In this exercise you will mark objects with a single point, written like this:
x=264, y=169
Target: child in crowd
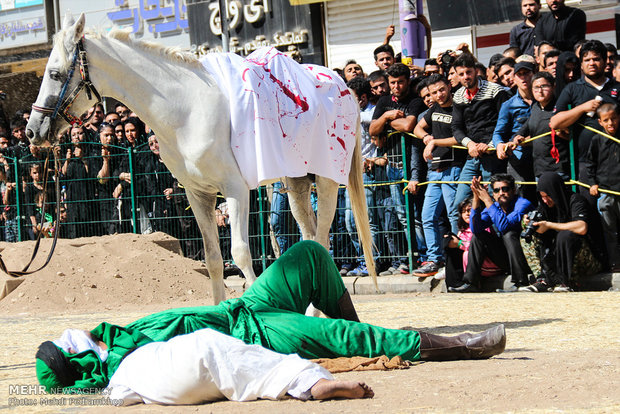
x=603, y=167
x=457, y=248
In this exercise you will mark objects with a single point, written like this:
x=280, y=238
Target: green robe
x=271, y=313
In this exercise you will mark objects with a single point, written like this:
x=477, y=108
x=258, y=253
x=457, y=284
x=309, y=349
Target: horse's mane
x=173, y=54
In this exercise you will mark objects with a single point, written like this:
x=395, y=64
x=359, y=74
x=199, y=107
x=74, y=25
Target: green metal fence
x=95, y=203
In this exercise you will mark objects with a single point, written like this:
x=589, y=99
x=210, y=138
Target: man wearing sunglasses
x=504, y=212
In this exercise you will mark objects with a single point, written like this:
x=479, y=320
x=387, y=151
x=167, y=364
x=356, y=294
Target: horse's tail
x=359, y=206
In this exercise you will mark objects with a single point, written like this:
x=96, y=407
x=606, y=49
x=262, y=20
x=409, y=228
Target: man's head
x=439, y=88
x=424, y=93
x=430, y=67
x=122, y=110
x=542, y=87
x=593, y=57
x=608, y=118
x=541, y=50
x=361, y=89
x=550, y=61
x=616, y=70
x=465, y=66
x=95, y=113
x=384, y=56
x=378, y=83
x=18, y=129
x=491, y=75
x=512, y=52
x=352, y=70
x=523, y=72
x=398, y=79
x=505, y=72
x=111, y=117
x=530, y=9
x=4, y=141
x=555, y=5
x=612, y=52
x=504, y=190
x=453, y=78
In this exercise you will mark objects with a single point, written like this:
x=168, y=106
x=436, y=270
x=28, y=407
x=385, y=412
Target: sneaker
x=391, y=271
x=513, y=288
x=359, y=271
x=403, y=269
x=441, y=275
x=561, y=289
x=539, y=286
x=427, y=269
x=344, y=271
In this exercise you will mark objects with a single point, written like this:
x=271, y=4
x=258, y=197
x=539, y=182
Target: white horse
x=172, y=92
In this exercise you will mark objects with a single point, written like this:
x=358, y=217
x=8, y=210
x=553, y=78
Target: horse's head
x=48, y=112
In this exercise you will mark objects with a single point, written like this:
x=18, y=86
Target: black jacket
x=563, y=32
x=603, y=163
x=475, y=120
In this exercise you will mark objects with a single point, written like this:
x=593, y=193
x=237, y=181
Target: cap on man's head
x=524, y=65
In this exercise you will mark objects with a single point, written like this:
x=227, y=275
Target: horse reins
x=62, y=107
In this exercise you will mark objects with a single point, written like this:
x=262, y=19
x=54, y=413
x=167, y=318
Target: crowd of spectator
x=487, y=152
x=483, y=152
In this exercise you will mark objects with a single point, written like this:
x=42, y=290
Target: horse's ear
x=75, y=32
x=67, y=21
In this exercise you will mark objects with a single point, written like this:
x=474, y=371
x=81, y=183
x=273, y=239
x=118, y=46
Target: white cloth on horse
x=287, y=119
x=207, y=365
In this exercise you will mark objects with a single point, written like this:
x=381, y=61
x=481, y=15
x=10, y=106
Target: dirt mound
x=107, y=272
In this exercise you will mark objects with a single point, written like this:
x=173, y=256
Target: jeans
x=10, y=230
x=484, y=166
x=282, y=222
x=341, y=245
x=439, y=197
x=373, y=218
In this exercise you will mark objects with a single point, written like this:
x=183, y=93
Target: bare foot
x=325, y=389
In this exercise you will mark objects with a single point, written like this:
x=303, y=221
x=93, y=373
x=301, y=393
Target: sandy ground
x=563, y=350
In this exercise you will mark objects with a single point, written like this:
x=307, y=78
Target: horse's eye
x=55, y=75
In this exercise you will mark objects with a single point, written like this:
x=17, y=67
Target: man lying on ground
x=270, y=313
x=207, y=366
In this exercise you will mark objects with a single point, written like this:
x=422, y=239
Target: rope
x=616, y=140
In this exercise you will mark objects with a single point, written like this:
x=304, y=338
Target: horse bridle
x=63, y=105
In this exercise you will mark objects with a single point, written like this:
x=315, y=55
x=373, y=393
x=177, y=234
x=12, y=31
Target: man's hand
x=463, y=47
x=427, y=139
x=504, y=149
x=590, y=106
x=393, y=114
x=518, y=139
x=381, y=161
x=389, y=33
x=542, y=226
x=220, y=218
x=480, y=192
x=428, y=151
x=594, y=190
x=412, y=186
x=472, y=149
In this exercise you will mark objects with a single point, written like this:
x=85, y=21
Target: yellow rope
x=601, y=133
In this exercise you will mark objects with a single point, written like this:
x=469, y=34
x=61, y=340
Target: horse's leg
x=203, y=206
x=238, y=199
x=299, y=198
x=327, y=190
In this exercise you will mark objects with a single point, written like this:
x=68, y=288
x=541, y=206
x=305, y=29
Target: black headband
x=58, y=362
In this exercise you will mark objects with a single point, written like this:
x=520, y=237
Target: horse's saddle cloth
x=287, y=119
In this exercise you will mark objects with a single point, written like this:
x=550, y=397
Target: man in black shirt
x=522, y=35
x=563, y=26
x=476, y=109
x=397, y=112
x=445, y=163
x=584, y=96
